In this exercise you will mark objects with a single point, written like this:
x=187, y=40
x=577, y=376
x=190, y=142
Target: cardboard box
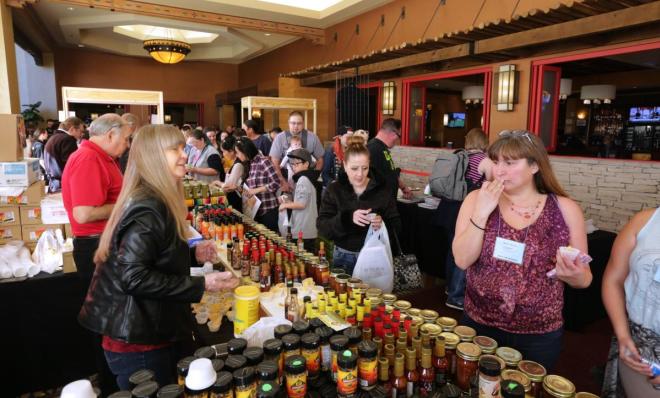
x=29, y=196
x=68, y=265
x=68, y=233
x=30, y=215
x=12, y=136
x=10, y=233
x=20, y=174
x=10, y=215
x=32, y=233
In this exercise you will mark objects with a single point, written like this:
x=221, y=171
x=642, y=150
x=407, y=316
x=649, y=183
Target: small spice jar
x=487, y=345
x=347, y=374
x=217, y=364
x=342, y=283
x=351, y=284
x=429, y=316
x=254, y=355
x=465, y=333
x=148, y=389
x=446, y=323
x=518, y=376
x=141, y=376
x=268, y=389
x=281, y=330
x=489, y=377
x=168, y=391
x=296, y=376
x=236, y=346
x=354, y=335
x=291, y=343
x=535, y=372
x=338, y=343
x=205, y=352
x=557, y=387
x=267, y=371
x=324, y=333
x=388, y=298
x=367, y=364
x=451, y=341
x=511, y=357
x=182, y=369
x=245, y=384
x=223, y=387
x=311, y=351
x=467, y=363
x=235, y=362
x=315, y=323
x=273, y=352
x=300, y=327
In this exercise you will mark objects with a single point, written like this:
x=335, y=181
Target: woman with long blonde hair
x=141, y=290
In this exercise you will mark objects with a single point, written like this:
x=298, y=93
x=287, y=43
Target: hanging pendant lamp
x=167, y=51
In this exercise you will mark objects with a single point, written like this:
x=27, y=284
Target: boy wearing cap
x=304, y=210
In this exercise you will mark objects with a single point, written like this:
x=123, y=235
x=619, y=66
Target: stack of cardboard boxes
x=21, y=187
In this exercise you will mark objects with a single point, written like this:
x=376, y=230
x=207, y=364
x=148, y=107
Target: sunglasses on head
x=516, y=134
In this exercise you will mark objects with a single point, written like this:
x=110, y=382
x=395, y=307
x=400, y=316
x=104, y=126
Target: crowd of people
x=505, y=235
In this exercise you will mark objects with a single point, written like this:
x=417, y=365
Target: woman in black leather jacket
x=140, y=294
x=350, y=204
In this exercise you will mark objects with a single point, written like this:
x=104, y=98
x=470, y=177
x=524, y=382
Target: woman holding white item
x=234, y=173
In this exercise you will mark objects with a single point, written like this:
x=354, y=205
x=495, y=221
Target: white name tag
x=509, y=250
x=657, y=275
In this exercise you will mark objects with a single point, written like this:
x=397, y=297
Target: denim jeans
x=543, y=348
x=445, y=217
x=161, y=361
x=344, y=259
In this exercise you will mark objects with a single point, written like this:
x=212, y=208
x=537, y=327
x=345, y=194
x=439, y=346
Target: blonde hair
x=363, y=134
x=476, y=139
x=521, y=144
x=147, y=175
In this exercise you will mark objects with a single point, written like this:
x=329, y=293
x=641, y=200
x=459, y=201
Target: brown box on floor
x=9, y=216
x=31, y=233
x=30, y=196
x=12, y=136
x=8, y=234
x=30, y=215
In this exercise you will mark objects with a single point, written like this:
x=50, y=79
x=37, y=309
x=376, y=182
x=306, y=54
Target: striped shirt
x=472, y=172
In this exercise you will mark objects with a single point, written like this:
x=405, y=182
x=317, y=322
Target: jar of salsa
x=342, y=283
x=487, y=345
x=467, y=363
x=535, y=372
x=557, y=387
x=518, y=376
x=351, y=284
x=510, y=356
x=465, y=333
x=332, y=281
x=322, y=274
x=451, y=341
x=446, y=323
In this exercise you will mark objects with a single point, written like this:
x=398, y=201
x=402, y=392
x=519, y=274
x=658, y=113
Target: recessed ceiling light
x=81, y=45
x=267, y=34
x=70, y=8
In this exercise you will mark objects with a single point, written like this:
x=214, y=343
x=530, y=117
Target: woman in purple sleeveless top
x=508, y=235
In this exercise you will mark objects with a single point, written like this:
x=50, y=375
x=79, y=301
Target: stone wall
x=609, y=191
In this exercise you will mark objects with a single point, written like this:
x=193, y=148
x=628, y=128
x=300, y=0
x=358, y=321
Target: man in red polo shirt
x=91, y=183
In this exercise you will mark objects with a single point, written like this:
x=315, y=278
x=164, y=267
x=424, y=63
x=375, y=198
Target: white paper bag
x=374, y=263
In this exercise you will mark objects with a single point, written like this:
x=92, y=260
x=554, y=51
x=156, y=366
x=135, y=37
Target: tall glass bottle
x=426, y=374
x=399, y=381
x=412, y=376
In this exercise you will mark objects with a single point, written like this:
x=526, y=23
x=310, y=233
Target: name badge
x=657, y=275
x=509, y=250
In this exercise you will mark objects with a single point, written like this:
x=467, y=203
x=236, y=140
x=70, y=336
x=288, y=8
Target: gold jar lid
x=468, y=351
x=535, y=371
x=487, y=345
x=558, y=386
x=516, y=375
x=511, y=357
x=429, y=315
x=466, y=333
x=432, y=329
x=417, y=320
x=388, y=298
x=402, y=305
x=375, y=301
x=373, y=292
x=585, y=395
x=414, y=311
x=494, y=357
x=451, y=340
x=354, y=282
x=446, y=323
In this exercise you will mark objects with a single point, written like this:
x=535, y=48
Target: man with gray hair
x=134, y=124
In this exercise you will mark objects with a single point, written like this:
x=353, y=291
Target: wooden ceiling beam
x=316, y=35
x=621, y=19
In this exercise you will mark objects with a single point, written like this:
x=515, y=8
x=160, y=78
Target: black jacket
x=339, y=201
x=142, y=293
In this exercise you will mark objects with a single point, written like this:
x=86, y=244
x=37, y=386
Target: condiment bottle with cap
x=399, y=381
x=291, y=343
x=268, y=389
x=148, y=389
x=273, y=352
x=236, y=346
x=245, y=383
x=347, y=374
x=354, y=335
x=311, y=350
x=168, y=391
x=440, y=362
x=489, y=378
x=338, y=343
x=296, y=376
x=324, y=333
x=511, y=389
x=235, y=362
x=254, y=355
x=267, y=371
x=412, y=375
x=182, y=369
x=384, y=375
x=281, y=330
x=368, y=364
x=426, y=374
x=223, y=387
x=141, y=376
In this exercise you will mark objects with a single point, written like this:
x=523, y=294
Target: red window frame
x=405, y=97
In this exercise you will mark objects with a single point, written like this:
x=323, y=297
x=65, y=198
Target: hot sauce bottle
x=427, y=373
x=398, y=379
x=440, y=362
x=412, y=376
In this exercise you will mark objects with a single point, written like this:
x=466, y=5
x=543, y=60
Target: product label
x=410, y=388
x=246, y=393
x=228, y=394
x=312, y=360
x=425, y=388
x=296, y=385
x=326, y=357
x=368, y=371
x=347, y=381
x=489, y=388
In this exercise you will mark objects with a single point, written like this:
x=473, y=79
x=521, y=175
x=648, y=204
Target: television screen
x=645, y=114
x=456, y=119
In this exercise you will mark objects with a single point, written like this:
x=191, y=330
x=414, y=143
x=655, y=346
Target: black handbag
x=407, y=276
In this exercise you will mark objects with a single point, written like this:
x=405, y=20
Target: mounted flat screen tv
x=645, y=114
x=455, y=119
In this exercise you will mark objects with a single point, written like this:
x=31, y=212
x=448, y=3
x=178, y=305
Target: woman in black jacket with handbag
x=140, y=294
x=352, y=203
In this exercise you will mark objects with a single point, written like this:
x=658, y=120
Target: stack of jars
x=200, y=193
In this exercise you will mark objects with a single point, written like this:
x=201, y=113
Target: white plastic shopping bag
x=283, y=223
x=374, y=264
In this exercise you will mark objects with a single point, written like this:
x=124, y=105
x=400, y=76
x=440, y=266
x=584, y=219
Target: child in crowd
x=296, y=143
x=304, y=210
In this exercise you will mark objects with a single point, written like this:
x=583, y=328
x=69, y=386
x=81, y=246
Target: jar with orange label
x=467, y=363
x=368, y=364
x=296, y=376
x=347, y=374
x=311, y=350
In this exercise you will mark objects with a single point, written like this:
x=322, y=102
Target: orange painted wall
x=191, y=81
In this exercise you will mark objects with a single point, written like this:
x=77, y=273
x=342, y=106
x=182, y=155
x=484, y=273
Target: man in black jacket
x=59, y=147
x=382, y=163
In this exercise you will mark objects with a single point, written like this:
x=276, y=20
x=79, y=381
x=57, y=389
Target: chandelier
x=167, y=51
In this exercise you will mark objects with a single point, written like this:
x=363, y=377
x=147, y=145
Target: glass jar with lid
x=451, y=341
x=342, y=283
x=332, y=281
x=557, y=387
x=535, y=372
x=429, y=316
x=389, y=298
x=496, y=358
x=402, y=305
x=351, y=284
x=414, y=312
x=467, y=363
x=465, y=333
x=487, y=345
x=510, y=356
x=446, y=323
x=432, y=329
x=518, y=376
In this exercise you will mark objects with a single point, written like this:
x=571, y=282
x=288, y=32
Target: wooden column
x=9, y=101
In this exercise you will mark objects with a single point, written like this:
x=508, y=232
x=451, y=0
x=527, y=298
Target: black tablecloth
x=41, y=342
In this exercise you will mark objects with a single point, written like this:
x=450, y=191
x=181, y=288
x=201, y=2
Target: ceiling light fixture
x=70, y=8
x=473, y=94
x=167, y=51
x=598, y=93
x=267, y=34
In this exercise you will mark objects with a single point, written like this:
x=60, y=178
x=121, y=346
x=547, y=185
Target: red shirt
x=91, y=178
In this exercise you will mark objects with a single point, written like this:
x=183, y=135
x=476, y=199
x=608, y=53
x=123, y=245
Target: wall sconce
x=389, y=94
x=598, y=93
x=256, y=114
x=507, y=90
x=168, y=118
